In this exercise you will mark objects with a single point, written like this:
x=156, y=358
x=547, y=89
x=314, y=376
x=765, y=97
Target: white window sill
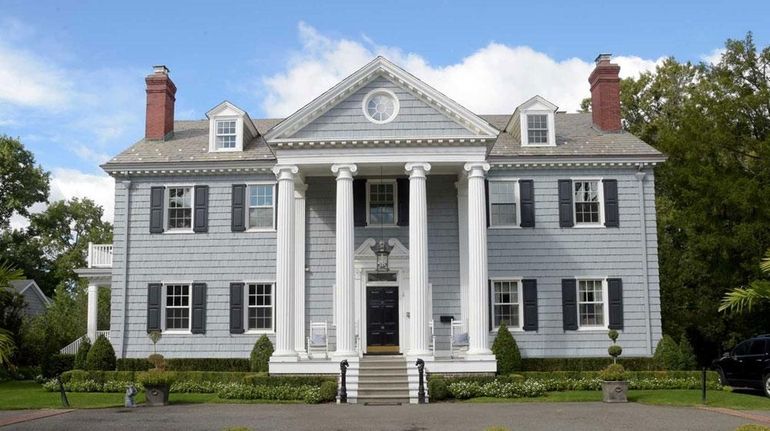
x=261, y=230
x=593, y=328
x=385, y=226
x=538, y=145
x=505, y=226
x=176, y=332
x=509, y=329
x=178, y=231
x=589, y=226
x=225, y=150
x=260, y=332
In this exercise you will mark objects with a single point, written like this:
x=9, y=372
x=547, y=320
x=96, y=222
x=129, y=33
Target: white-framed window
x=592, y=303
x=504, y=207
x=380, y=106
x=179, y=204
x=261, y=201
x=381, y=202
x=588, y=198
x=507, y=304
x=177, y=307
x=537, y=129
x=227, y=137
x=260, y=307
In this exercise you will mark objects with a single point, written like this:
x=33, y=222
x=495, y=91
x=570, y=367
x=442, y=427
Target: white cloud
x=71, y=183
x=494, y=79
x=714, y=57
x=29, y=80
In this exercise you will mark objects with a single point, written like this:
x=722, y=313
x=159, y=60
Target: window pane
x=179, y=208
x=381, y=203
x=177, y=306
x=260, y=307
x=260, y=217
x=537, y=129
x=503, y=214
x=587, y=202
x=591, y=302
x=506, y=303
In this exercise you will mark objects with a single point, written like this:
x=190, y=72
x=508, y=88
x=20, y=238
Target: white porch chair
x=432, y=337
x=318, y=338
x=458, y=338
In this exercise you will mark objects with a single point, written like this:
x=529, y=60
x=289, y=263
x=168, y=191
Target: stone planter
x=156, y=395
x=615, y=391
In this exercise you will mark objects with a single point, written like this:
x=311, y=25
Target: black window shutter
x=615, y=298
x=157, y=195
x=487, y=205
x=569, y=303
x=529, y=292
x=199, y=308
x=403, y=201
x=359, y=202
x=527, y=195
x=239, y=208
x=565, y=203
x=611, y=213
x=491, y=306
x=201, y=209
x=153, y=306
x=236, y=308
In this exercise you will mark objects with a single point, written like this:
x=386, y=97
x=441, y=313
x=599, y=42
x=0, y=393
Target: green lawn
x=29, y=395
x=733, y=400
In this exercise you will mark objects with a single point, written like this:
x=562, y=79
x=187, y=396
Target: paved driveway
x=444, y=417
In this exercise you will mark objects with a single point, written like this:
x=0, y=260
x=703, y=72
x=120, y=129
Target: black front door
x=382, y=319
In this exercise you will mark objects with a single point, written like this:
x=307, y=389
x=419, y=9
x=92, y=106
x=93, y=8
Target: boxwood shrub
x=587, y=364
x=191, y=364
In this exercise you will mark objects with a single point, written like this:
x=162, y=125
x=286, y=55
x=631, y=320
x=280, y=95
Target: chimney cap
x=160, y=69
x=602, y=58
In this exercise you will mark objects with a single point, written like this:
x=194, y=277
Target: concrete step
x=369, y=380
x=391, y=386
x=384, y=399
x=404, y=391
x=382, y=373
x=400, y=367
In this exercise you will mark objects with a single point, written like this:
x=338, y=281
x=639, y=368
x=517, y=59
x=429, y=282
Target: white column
x=346, y=334
x=93, y=310
x=419, y=331
x=462, y=223
x=299, y=268
x=478, y=296
x=284, y=271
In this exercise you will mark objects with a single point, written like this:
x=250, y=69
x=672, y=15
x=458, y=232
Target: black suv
x=747, y=365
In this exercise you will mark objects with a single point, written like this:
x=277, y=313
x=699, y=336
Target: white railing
x=99, y=255
x=72, y=348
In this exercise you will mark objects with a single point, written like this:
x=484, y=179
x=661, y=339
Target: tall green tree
x=743, y=299
x=22, y=182
x=713, y=192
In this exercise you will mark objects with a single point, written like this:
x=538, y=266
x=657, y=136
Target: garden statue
x=131, y=392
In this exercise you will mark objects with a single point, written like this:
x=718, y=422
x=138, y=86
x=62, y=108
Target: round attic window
x=380, y=106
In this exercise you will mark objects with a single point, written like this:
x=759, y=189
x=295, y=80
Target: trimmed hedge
x=101, y=356
x=188, y=364
x=586, y=364
x=266, y=380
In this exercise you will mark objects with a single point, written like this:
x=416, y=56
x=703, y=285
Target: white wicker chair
x=432, y=337
x=458, y=338
x=318, y=338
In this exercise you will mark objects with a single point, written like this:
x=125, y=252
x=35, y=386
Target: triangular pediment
x=340, y=113
x=364, y=251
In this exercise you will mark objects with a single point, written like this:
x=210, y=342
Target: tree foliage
x=101, y=356
x=260, y=354
x=81, y=357
x=713, y=192
x=744, y=298
x=22, y=183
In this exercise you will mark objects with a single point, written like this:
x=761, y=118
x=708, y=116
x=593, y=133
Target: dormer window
x=537, y=129
x=226, y=134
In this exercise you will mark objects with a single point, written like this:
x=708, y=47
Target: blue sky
x=71, y=73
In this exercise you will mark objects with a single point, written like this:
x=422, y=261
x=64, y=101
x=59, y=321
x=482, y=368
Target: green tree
x=744, y=298
x=506, y=351
x=713, y=192
x=101, y=356
x=260, y=354
x=22, y=183
x=11, y=312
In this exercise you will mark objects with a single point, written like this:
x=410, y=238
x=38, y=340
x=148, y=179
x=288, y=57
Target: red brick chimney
x=161, y=93
x=605, y=94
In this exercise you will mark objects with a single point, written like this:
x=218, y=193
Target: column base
x=287, y=356
x=419, y=353
x=344, y=354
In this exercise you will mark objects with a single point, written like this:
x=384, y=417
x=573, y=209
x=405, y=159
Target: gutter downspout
x=126, y=223
x=645, y=263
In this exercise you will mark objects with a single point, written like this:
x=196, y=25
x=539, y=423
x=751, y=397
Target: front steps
x=383, y=380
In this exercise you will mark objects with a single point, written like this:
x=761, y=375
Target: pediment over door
x=364, y=251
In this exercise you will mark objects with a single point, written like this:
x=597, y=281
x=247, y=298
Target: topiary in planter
x=81, y=357
x=260, y=355
x=614, y=350
x=101, y=357
x=614, y=384
x=506, y=351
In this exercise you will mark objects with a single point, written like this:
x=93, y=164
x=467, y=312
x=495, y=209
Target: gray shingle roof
x=575, y=137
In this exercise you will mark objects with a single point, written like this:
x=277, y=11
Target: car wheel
x=767, y=385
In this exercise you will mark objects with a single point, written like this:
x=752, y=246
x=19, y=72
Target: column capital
x=285, y=172
x=344, y=170
x=417, y=169
x=476, y=169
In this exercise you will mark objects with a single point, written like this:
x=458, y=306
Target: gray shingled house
x=383, y=218
x=34, y=298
